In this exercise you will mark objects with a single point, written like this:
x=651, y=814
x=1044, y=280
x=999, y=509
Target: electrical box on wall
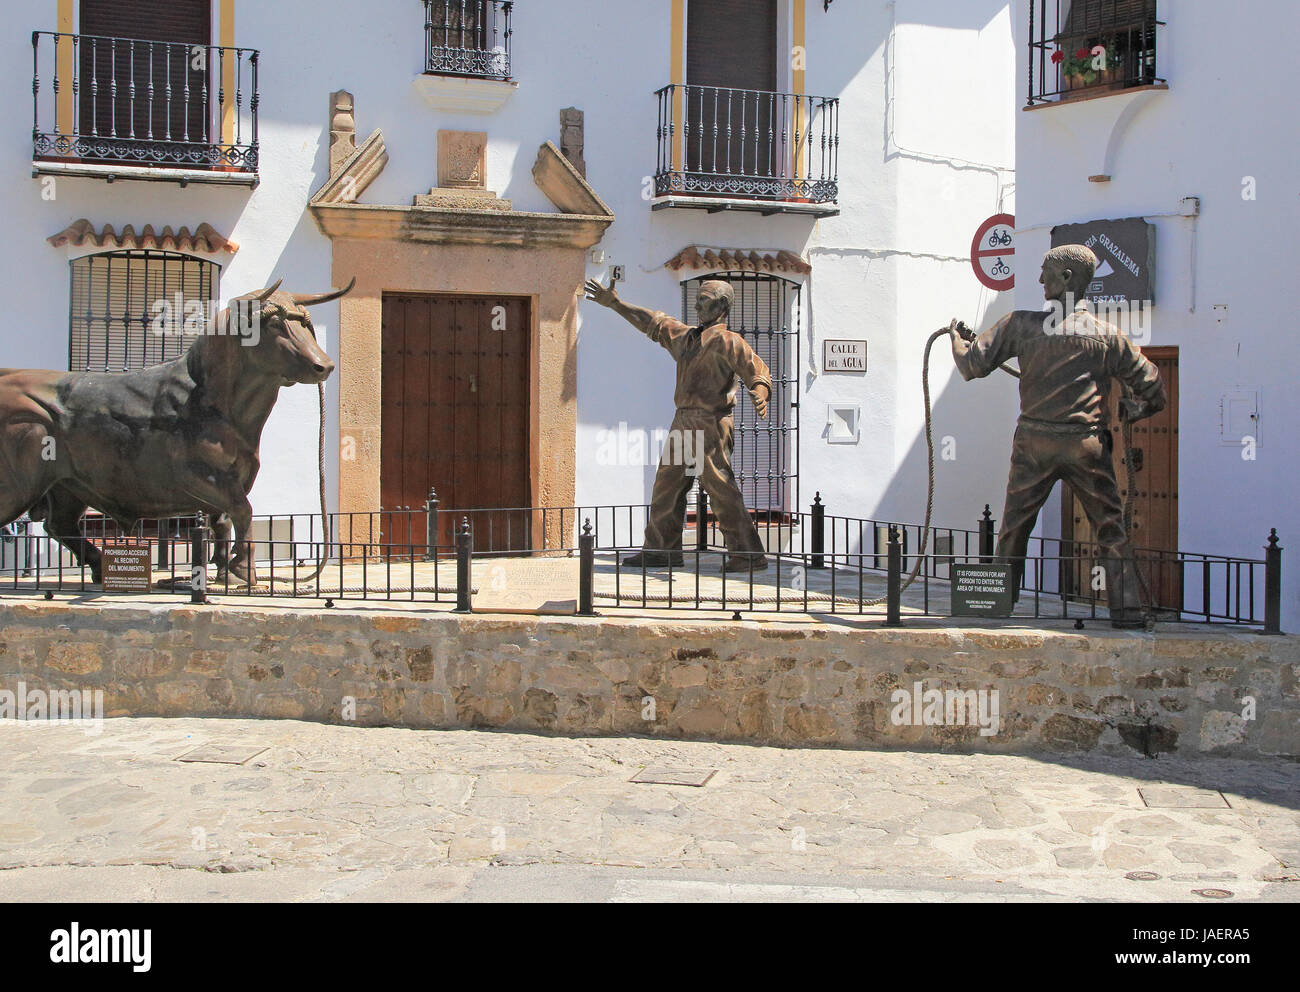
x=843, y=424
x=1239, y=416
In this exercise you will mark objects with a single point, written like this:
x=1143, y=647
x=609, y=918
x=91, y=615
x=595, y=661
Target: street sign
x=844, y=356
x=127, y=568
x=981, y=590
x=993, y=253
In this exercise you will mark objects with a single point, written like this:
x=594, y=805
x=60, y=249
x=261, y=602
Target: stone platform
x=791, y=681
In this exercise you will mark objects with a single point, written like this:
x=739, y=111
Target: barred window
x=765, y=458
x=128, y=308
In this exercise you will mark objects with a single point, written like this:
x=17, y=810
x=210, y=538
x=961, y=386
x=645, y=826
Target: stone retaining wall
x=1217, y=692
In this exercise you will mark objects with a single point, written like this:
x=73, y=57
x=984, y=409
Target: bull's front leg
x=242, y=564
x=221, y=530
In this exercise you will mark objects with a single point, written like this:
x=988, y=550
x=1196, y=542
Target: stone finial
x=573, y=138
x=343, y=129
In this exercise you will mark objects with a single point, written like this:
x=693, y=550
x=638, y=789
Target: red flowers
x=1058, y=57
x=1083, y=53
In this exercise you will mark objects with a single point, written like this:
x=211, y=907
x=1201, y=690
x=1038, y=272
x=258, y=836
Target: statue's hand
x=1132, y=409
x=760, y=397
x=604, y=295
x=958, y=329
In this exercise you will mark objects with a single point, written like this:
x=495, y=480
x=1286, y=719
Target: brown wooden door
x=1155, y=505
x=732, y=44
x=455, y=416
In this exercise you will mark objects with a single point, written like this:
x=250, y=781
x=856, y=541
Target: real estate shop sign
x=1126, y=253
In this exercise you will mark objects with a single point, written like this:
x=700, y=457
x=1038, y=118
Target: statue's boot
x=745, y=563
x=654, y=559
x=1127, y=619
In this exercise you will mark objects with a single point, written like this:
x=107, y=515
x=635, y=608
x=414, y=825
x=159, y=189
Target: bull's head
x=277, y=329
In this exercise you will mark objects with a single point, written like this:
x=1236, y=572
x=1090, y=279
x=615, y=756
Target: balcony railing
x=157, y=104
x=467, y=38
x=748, y=144
x=1080, y=48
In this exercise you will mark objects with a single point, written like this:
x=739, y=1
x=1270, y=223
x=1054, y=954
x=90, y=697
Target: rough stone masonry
x=1223, y=693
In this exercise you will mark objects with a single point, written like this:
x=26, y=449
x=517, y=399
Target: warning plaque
x=127, y=568
x=981, y=590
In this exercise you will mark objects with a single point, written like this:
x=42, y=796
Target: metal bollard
x=986, y=536
x=818, y=533
x=431, y=525
x=1273, y=585
x=464, y=554
x=586, y=571
x=199, y=559
x=701, y=519
x=894, y=589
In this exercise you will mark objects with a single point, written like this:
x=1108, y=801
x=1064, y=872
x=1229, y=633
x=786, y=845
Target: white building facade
x=1165, y=133
x=878, y=153
x=398, y=147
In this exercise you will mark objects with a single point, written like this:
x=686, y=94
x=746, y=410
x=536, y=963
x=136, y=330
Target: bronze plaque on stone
x=543, y=586
x=128, y=568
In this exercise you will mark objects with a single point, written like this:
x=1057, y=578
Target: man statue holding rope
x=1067, y=361
x=709, y=358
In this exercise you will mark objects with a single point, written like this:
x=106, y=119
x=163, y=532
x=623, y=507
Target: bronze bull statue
x=171, y=440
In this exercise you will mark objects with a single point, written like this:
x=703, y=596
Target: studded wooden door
x=455, y=415
x=1155, y=501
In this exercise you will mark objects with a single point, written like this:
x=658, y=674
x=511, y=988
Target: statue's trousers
x=699, y=443
x=1040, y=456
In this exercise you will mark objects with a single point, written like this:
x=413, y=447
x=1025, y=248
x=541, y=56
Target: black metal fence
x=1086, y=47
x=747, y=144
x=467, y=38
x=816, y=563
x=149, y=103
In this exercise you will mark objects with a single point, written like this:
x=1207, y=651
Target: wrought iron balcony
x=747, y=144
x=129, y=102
x=467, y=38
x=1084, y=48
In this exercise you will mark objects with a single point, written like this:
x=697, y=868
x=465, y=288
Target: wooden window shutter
x=186, y=22
x=731, y=43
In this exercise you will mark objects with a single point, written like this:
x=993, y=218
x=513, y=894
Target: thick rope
x=324, y=510
x=929, y=449
x=323, y=560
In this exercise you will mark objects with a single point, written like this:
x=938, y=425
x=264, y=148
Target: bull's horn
x=265, y=294
x=311, y=301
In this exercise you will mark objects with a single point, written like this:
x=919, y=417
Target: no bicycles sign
x=993, y=253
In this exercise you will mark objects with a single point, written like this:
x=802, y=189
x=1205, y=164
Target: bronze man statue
x=709, y=358
x=1067, y=360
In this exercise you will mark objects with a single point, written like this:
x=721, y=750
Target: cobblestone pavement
x=329, y=813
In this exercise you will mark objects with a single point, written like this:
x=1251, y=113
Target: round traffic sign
x=993, y=252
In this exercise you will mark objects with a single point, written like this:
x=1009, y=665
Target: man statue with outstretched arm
x=1067, y=361
x=709, y=358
